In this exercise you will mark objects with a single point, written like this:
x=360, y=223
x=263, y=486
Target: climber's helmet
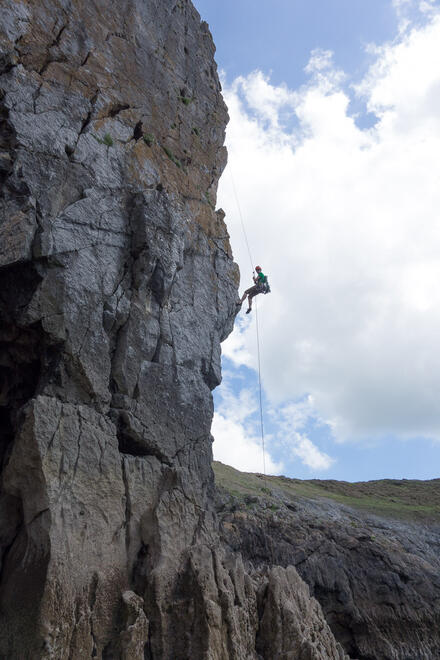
x=258, y=268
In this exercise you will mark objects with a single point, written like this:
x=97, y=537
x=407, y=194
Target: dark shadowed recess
x=21, y=349
x=22, y=352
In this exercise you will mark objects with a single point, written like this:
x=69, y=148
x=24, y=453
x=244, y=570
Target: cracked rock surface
x=369, y=553
x=117, y=286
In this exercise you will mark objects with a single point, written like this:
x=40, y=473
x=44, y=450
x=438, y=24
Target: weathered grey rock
x=136, y=631
x=292, y=624
x=375, y=576
x=117, y=286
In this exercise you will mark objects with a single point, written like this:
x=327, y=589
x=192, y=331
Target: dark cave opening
x=6, y=432
x=20, y=369
x=21, y=349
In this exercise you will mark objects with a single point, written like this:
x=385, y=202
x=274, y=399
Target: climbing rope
x=241, y=220
x=256, y=325
x=259, y=387
x=259, y=357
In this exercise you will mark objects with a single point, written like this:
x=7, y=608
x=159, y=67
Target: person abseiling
x=260, y=286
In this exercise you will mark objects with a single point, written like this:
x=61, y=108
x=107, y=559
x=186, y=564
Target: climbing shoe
x=248, y=310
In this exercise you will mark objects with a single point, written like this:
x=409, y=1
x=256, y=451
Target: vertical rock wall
x=117, y=286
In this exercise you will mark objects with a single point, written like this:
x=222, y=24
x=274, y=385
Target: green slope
x=408, y=499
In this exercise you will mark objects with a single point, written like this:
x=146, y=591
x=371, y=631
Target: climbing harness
x=264, y=286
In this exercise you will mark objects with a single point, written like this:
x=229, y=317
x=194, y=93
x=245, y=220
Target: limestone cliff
x=117, y=286
x=369, y=552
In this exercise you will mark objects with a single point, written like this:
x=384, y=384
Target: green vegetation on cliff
x=405, y=498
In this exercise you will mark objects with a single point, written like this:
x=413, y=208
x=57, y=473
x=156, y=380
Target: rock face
x=370, y=554
x=117, y=286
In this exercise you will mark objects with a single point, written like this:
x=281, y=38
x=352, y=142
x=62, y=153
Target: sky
x=334, y=169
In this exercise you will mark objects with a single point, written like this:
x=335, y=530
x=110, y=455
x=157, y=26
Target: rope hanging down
x=257, y=327
x=241, y=220
x=259, y=385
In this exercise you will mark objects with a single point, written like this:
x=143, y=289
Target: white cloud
x=322, y=70
x=297, y=414
x=409, y=11
x=309, y=454
x=238, y=442
x=237, y=436
x=427, y=6
x=234, y=446
x=319, y=60
x=291, y=420
x=345, y=222
x=236, y=348
x=403, y=86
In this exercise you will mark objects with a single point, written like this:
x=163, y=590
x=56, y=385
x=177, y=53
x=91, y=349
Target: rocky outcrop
x=117, y=286
x=369, y=553
x=292, y=625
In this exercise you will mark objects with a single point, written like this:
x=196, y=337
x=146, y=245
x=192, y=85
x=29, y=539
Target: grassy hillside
x=408, y=499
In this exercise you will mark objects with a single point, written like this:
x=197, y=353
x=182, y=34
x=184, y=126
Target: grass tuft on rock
x=149, y=139
x=107, y=140
x=172, y=157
